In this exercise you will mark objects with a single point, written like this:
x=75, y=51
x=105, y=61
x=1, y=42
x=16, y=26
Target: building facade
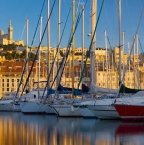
x=6, y=39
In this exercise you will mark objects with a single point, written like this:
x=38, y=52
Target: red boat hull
x=130, y=112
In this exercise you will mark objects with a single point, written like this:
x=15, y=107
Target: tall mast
x=137, y=63
x=82, y=63
x=134, y=60
x=112, y=62
x=27, y=69
x=48, y=41
x=59, y=14
x=105, y=34
x=119, y=16
x=129, y=54
x=92, y=53
x=123, y=37
x=39, y=55
x=73, y=45
x=137, y=44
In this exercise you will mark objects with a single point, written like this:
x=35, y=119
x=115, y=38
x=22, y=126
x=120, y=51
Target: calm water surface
x=19, y=129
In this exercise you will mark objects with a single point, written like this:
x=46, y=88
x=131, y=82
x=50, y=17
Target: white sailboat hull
x=67, y=111
x=32, y=107
x=16, y=107
x=104, y=111
x=86, y=113
x=6, y=105
x=50, y=110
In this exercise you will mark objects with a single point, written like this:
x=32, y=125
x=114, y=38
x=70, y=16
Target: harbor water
x=20, y=129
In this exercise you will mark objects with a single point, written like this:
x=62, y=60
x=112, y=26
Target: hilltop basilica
x=6, y=39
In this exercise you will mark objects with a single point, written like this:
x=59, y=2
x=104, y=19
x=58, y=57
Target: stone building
x=6, y=39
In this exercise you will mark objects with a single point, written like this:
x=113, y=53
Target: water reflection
x=19, y=129
x=131, y=133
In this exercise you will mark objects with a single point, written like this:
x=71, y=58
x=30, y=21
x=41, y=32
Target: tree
x=32, y=55
x=23, y=55
x=8, y=56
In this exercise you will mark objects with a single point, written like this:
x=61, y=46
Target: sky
x=20, y=10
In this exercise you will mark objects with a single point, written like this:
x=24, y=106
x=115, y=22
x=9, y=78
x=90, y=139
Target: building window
x=7, y=84
x=17, y=80
x=2, y=80
x=3, y=84
x=3, y=89
x=12, y=84
x=7, y=89
x=12, y=80
x=7, y=80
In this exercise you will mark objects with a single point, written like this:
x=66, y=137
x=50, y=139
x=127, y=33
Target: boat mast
x=134, y=61
x=137, y=44
x=73, y=45
x=59, y=23
x=82, y=63
x=123, y=37
x=92, y=53
x=39, y=55
x=59, y=16
x=48, y=41
x=27, y=69
x=119, y=20
x=129, y=54
x=105, y=34
x=137, y=63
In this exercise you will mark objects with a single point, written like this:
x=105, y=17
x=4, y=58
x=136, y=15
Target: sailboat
x=64, y=107
x=35, y=103
x=82, y=105
x=130, y=112
x=42, y=103
x=103, y=108
x=32, y=104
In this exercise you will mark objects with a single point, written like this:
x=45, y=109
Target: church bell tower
x=10, y=31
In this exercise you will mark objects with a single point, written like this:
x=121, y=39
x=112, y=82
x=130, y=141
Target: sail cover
x=125, y=89
x=85, y=89
x=99, y=90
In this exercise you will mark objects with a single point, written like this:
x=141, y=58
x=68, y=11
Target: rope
x=130, y=53
x=82, y=73
x=38, y=48
x=63, y=60
x=29, y=51
x=68, y=48
x=67, y=52
x=56, y=53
